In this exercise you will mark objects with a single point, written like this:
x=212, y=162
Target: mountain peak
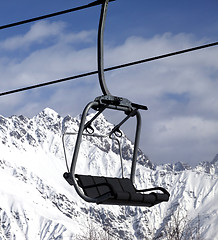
x=49, y=112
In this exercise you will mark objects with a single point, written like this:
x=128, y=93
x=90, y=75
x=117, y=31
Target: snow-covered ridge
x=37, y=203
x=20, y=130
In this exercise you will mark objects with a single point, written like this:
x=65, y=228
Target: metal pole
x=136, y=146
x=101, y=48
x=79, y=137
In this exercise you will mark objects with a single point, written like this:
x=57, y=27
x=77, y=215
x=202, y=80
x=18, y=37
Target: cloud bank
x=180, y=92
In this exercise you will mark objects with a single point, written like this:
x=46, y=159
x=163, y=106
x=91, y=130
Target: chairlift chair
x=111, y=190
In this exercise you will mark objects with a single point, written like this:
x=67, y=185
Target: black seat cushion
x=122, y=191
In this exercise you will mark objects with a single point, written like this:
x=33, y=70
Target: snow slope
x=37, y=203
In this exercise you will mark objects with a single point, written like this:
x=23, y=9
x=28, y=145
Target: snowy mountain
x=37, y=203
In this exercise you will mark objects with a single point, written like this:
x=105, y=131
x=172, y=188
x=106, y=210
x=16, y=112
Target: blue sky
x=180, y=92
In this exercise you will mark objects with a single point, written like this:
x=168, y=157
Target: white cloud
x=189, y=139
x=83, y=36
x=186, y=127
x=38, y=33
x=57, y=60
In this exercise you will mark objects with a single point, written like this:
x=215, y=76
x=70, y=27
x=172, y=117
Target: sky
x=181, y=91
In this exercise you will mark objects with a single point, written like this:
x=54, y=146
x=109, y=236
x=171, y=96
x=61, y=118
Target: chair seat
x=118, y=191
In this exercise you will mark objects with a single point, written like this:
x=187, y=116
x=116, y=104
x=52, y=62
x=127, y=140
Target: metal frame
x=107, y=101
x=70, y=176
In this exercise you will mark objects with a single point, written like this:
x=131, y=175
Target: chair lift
x=110, y=190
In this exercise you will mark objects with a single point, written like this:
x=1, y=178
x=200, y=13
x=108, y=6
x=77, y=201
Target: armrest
x=155, y=188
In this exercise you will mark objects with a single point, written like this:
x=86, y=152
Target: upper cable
x=92, y=4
